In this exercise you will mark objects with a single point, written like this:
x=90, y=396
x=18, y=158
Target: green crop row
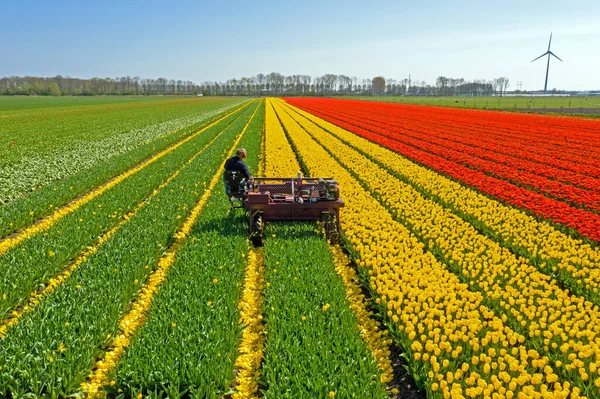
x=27, y=209
x=19, y=104
x=38, y=132
x=50, y=352
x=188, y=345
x=38, y=169
x=40, y=257
x=313, y=344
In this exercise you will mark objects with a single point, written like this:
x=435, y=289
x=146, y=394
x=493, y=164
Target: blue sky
x=199, y=41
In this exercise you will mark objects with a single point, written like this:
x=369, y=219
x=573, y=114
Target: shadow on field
x=283, y=231
x=233, y=224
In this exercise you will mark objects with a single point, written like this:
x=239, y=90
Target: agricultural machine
x=275, y=199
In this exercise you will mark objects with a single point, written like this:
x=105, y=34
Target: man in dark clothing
x=236, y=164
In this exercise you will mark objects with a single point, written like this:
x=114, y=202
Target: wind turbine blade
x=550, y=41
x=555, y=56
x=540, y=56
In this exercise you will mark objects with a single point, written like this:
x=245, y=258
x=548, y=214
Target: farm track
x=8, y=242
x=137, y=247
x=47, y=254
x=431, y=274
x=52, y=284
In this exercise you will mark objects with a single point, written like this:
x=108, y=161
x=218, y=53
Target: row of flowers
x=561, y=142
x=457, y=344
x=74, y=324
x=585, y=222
x=280, y=160
x=136, y=316
x=47, y=253
x=510, y=284
x=53, y=283
x=476, y=150
x=251, y=347
x=575, y=263
x=58, y=148
x=47, y=222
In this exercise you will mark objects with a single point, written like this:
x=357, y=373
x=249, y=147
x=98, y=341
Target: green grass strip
x=313, y=347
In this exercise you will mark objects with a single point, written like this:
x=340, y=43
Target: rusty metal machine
x=275, y=199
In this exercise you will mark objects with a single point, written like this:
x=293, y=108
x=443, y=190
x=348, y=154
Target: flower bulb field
x=468, y=265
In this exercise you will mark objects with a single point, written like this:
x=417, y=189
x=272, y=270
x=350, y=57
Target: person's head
x=241, y=152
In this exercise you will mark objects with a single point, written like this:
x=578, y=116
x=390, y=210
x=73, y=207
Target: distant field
x=494, y=102
x=39, y=125
x=31, y=102
x=43, y=139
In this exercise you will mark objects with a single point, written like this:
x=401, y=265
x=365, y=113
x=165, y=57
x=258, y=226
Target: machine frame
x=282, y=198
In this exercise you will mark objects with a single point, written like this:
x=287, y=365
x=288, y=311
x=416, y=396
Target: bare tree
x=505, y=85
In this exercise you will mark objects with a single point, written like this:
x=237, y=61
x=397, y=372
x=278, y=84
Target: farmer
x=236, y=164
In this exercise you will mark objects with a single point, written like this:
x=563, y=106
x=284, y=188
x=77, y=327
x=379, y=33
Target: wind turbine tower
x=548, y=53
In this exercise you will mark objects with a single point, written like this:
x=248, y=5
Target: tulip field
x=469, y=264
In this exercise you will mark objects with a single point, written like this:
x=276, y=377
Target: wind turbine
x=548, y=53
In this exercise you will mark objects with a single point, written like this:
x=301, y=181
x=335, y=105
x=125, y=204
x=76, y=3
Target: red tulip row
x=587, y=223
x=554, y=130
x=427, y=139
x=558, y=142
x=480, y=143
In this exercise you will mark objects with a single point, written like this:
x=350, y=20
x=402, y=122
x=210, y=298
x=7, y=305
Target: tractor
x=267, y=199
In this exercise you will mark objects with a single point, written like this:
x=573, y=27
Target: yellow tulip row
x=136, y=317
x=549, y=315
x=251, y=348
x=376, y=338
x=280, y=160
x=47, y=222
x=551, y=249
x=253, y=336
x=457, y=342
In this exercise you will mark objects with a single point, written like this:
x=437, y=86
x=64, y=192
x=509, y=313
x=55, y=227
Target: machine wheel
x=331, y=229
x=257, y=236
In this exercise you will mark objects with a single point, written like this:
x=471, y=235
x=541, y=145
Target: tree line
x=67, y=86
x=341, y=85
x=273, y=83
